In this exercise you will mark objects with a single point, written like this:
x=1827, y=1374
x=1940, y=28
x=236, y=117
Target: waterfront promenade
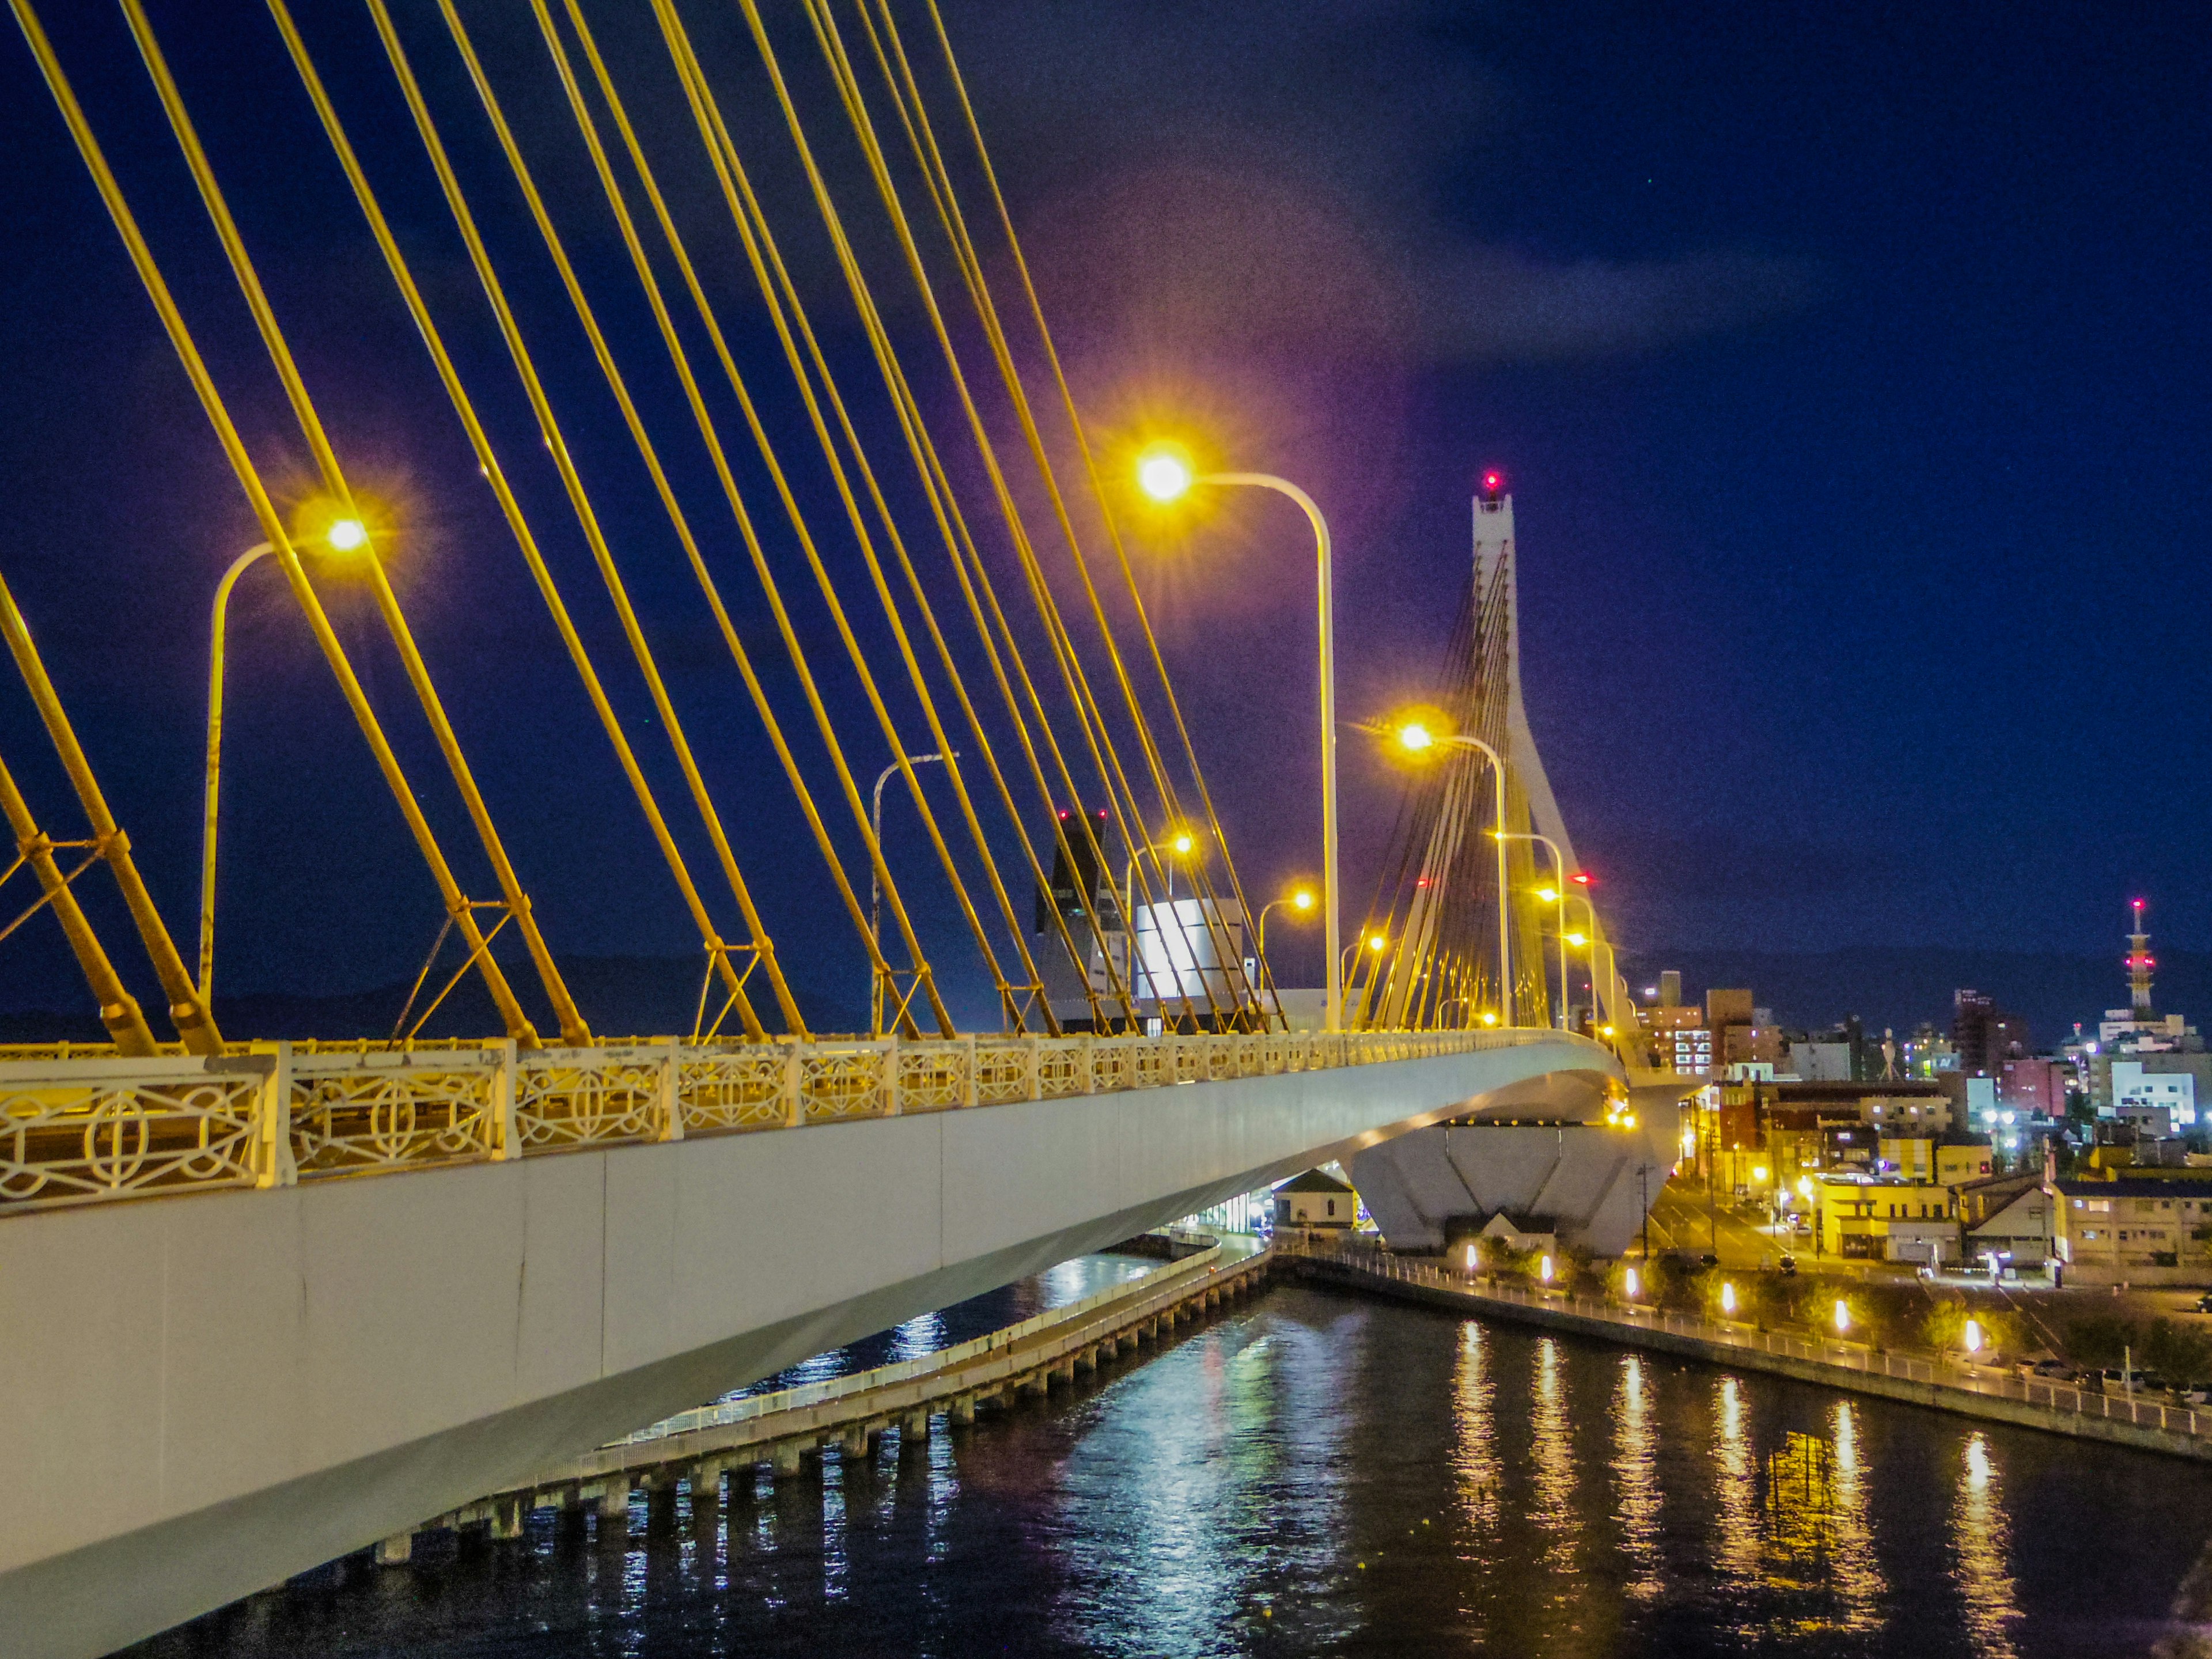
x=2059, y=1408
x=782, y=1430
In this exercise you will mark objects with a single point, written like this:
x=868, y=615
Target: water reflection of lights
x=1981, y=1539
x=1735, y=1492
x=1857, y=1575
x=1636, y=1477
x=917, y=1337
x=1163, y=1544
x=1554, y=1456
x=1474, y=1444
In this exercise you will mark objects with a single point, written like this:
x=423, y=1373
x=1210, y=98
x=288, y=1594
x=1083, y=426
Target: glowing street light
x=1727, y=1301
x=1973, y=1336
x=1166, y=475
x=1631, y=1284
x=1555, y=894
x=340, y=535
x=1842, y=1316
x=1300, y=899
x=1544, y=1269
x=1418, y=736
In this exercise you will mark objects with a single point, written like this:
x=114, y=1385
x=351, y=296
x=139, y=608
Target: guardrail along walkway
x=2059, y=1408
x=779, y=1431
x=78, y=1130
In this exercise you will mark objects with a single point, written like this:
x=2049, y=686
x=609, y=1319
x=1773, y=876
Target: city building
x=1983, y=1034
x=2032, y=1086
x=1950, y=1160
x=2112, y=1225
x=1681, y=1039
x=2009, y=1220
x=1315, y=1199
x=1887, y=1218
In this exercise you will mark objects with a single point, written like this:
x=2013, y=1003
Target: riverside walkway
x=778, y=1431
x=2059, y=1408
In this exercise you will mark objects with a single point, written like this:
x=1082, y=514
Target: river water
x=1319, y=1474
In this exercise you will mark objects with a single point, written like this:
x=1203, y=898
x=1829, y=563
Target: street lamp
x=1300, y=899
x=1374, y=943
x=1555, y=894
x=1166, y=476
x=876, y=889
x=345, y=535
x=1419, y=739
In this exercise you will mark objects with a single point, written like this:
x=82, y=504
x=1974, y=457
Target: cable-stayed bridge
x=724, y=311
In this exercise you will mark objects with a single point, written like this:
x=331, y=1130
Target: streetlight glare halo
x=347, y=535
x=1165, y=475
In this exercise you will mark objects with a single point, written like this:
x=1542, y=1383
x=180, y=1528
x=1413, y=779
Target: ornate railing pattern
x=77, y=1130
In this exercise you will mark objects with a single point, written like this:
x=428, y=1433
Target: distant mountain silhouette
x=646, y=996
x=622, y=996
x=1900, y=986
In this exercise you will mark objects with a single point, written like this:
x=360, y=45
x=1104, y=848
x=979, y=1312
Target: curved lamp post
x=876, y=887
x=344, y=536
x=1555, y=894
x=1418, y=739
x=1166, y=476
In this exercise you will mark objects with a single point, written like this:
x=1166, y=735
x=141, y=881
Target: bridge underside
x=207, y=1395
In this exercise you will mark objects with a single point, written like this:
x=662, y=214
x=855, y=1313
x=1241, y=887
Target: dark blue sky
x=1848, y=365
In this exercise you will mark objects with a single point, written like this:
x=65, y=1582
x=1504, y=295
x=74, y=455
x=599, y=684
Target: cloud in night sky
x=1284, y=176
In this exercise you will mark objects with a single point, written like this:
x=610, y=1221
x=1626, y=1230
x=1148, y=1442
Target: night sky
x=1847, y=365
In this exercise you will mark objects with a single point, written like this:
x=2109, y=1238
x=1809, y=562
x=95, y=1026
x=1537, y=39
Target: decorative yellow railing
x=79, y=1130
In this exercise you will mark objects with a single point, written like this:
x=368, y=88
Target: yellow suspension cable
x=1067, y=400
x=834, y=50
x=573, y=1028
x=1033, y=986
x=264, y=509
x=557, y=445
x=737, y=194
x=613, y=377
x=1071, y=666
x=118, y=1010
x=610, y=93
x=680, y=358
x=510, y=508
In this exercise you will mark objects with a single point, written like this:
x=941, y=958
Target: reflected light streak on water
x=1636, y=1477
x=1555, y=1458
x=1982, y=1541
x=1735, y=1510
x=1857, y=1574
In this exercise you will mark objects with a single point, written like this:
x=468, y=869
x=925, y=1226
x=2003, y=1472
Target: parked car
x=2204, y=1303
x=1788, y=1263
x=2046, y=1371
x=1710, y=1259
x=2116, y=1381
x=2192, y=1394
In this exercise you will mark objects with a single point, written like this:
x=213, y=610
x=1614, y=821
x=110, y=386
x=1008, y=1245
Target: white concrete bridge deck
x=207, y=1392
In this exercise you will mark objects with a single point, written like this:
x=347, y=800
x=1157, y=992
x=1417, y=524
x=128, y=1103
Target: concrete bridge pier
x=393, y=1551
x=962, y=1413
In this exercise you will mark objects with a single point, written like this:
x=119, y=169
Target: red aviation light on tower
x=1581, y=878
x=1493, y=483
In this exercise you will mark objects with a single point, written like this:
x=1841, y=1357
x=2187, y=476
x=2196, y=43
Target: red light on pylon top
x=1494, y=483
x=1581, y=878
